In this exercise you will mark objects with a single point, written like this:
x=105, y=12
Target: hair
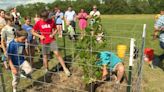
x=9, y=18
x=44, y=14
x=2, y=10
x=27, y=18
x=21, y=33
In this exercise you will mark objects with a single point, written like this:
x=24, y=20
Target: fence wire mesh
x=56, y=81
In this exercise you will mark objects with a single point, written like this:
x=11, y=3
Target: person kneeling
x=17, y=61
x=110, y=62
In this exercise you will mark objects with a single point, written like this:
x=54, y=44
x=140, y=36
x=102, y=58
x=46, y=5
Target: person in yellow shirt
x=158, y=15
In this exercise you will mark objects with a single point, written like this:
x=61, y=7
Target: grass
x=116, y=26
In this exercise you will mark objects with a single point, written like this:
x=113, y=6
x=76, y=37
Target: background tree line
x=108, y=7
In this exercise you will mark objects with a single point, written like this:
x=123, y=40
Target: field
x=115, y=26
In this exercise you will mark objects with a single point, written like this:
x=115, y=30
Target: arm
x=74, y=17
x=37, y=35
x=53, y=33
x=155, y=34
x=3, y=45
x=104, y=72
x=3, y=41
x=13, y=69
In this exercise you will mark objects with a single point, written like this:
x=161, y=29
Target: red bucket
x=149, y=54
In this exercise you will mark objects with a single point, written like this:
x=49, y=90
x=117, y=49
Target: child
x=47, y=32
x=30, y=48
x=71, y=32
x=7, y=34
x=110, y=62
x=16, y=58
x=82, y=16
x=58, y=19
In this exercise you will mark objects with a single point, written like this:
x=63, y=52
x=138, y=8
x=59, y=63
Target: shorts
x=58, y=24
x=73, y=24
x=114, y=68
x=46, y=48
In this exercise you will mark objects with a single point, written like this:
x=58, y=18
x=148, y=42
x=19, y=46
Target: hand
x=51, y=36
x=155, y=37
x=14, y=71
x=42, y=37
x=5, y=53
x=103, y=78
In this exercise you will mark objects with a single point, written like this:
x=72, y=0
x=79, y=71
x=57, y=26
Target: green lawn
x=118, y=28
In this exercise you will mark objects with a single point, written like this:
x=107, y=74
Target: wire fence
x=56, y=81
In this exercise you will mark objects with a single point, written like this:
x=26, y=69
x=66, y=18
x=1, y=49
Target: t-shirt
x=7, y=33
x=58, y=18
x=46, y=29
x=161, y=37
x=28, y=29
x=69, y=15
x=15, y=52
x=109, y=59
x=92, y=13
x=160, y=22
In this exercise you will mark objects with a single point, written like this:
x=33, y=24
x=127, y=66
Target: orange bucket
x=121, y=50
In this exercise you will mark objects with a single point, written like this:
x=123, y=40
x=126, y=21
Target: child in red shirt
x=48, y=30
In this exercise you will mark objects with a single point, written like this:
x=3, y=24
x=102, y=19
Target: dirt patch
x=61, y=83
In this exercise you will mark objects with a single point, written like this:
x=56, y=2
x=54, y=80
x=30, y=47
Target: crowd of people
x=20, y=39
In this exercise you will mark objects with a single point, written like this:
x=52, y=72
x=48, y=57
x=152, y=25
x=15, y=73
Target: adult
x=70, y=17
x=16, y=16
x=159, y=30
x=94, y=14
x=59, y=19
x=2, y=19
x=82, y=16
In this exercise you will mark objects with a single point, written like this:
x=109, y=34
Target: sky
x=4, y=4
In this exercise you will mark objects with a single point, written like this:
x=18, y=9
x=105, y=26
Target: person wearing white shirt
x=94, y=12
x=16, y=15
x=70, y=17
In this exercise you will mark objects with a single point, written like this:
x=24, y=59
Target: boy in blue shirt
x=16, y=58
x=110, y=62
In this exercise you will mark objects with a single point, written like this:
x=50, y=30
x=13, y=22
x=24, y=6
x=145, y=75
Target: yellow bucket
x=121, y=50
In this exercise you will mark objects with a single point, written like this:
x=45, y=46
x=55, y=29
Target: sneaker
x=151, y=65
x=67, y=72
x=22, y=75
